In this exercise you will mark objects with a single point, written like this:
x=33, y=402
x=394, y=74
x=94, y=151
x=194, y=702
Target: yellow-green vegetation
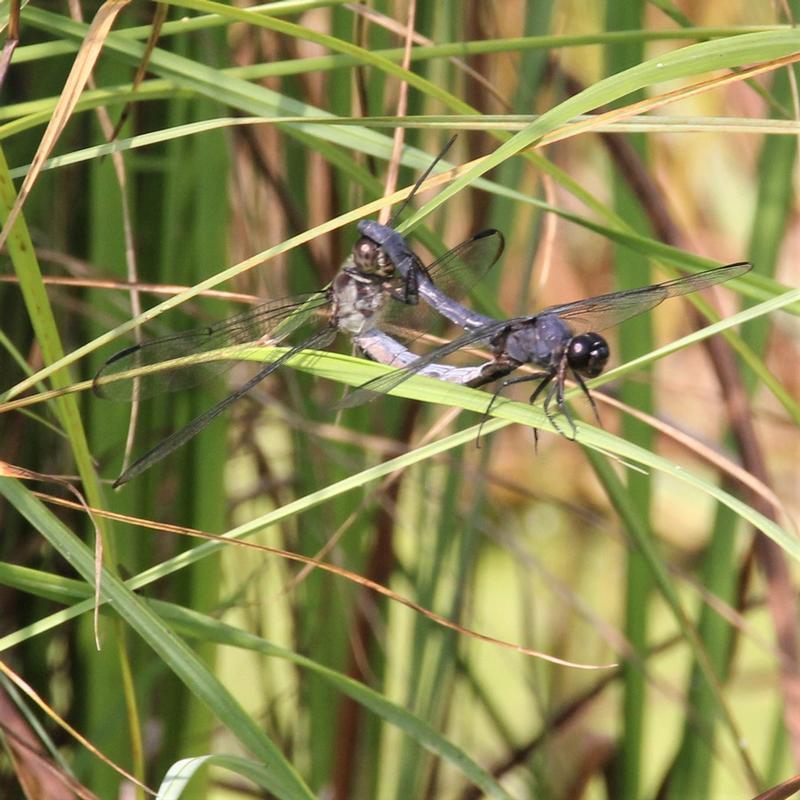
x=381, y=609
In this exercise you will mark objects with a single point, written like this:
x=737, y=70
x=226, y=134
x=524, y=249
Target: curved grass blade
x=180, y=437
x=274, y=320
x=171, y=649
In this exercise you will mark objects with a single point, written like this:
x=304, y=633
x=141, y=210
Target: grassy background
x=231, y=171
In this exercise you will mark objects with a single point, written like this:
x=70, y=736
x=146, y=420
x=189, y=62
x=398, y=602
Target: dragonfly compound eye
x=588, y=354
x=365, y=253
x=370, y=258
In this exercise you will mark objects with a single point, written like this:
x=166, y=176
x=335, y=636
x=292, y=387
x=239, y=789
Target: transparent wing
x=459, y=269
x=607, y=310
x=322, y=338
x=274, y=320
x=385, y=383
x=454, y=274
x=592, y=314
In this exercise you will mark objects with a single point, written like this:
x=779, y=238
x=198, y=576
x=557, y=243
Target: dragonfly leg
x=547, y=377
x=404, y=293
x=543, y=377
x=557, y=391
x=552, y=416
x=589, y=397
x=412, y=287
x=485, y=416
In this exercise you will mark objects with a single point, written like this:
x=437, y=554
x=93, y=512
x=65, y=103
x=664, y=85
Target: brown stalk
x=31, y=693
x=12, y=40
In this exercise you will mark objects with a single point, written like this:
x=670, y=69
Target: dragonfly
x=354, y=303
x=561, y=341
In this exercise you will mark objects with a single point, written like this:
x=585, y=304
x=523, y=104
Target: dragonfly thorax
x=541, y=340
x=357, y=300
x=588, y=354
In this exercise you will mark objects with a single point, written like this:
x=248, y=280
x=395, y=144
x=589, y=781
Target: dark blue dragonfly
x=560, y=340
x=355, y=302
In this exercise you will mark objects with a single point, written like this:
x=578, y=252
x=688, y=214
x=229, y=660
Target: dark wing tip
x=493, y=232
x=118, y=356
x=725, y=272
x=704, y=280
x=96, y=391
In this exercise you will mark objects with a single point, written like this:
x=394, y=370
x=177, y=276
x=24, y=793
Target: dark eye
x=365, y=254
x=370, y=258
x=587, y=353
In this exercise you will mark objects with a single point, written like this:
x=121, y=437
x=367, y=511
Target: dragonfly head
x=587, y=353
x=371, y=259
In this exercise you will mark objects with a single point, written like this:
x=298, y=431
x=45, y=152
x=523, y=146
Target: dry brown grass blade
x=139, y=286
x=37, y=773
x=650, y=103
x=159, y=18
x=28, y=690
x=76, y=80
x=110, y=133
x=706, y=453
x=341, y=572
x=395, y=27
x=782, y=791
x=402, y=107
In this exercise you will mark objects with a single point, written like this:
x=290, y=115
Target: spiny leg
x=589, y=397
x=553, y=416
x=557, y=390
x=510, y=382
x=547, y=377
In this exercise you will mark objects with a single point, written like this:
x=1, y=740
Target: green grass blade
x=686, y=62
x=171, y=649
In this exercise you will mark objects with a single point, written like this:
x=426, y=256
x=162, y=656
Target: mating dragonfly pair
x=379, y=287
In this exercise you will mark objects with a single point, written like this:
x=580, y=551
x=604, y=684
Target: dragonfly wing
x=175, y=440
x=190, y=350
x=454, y=274
x=607, y=310
x=459, y=269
